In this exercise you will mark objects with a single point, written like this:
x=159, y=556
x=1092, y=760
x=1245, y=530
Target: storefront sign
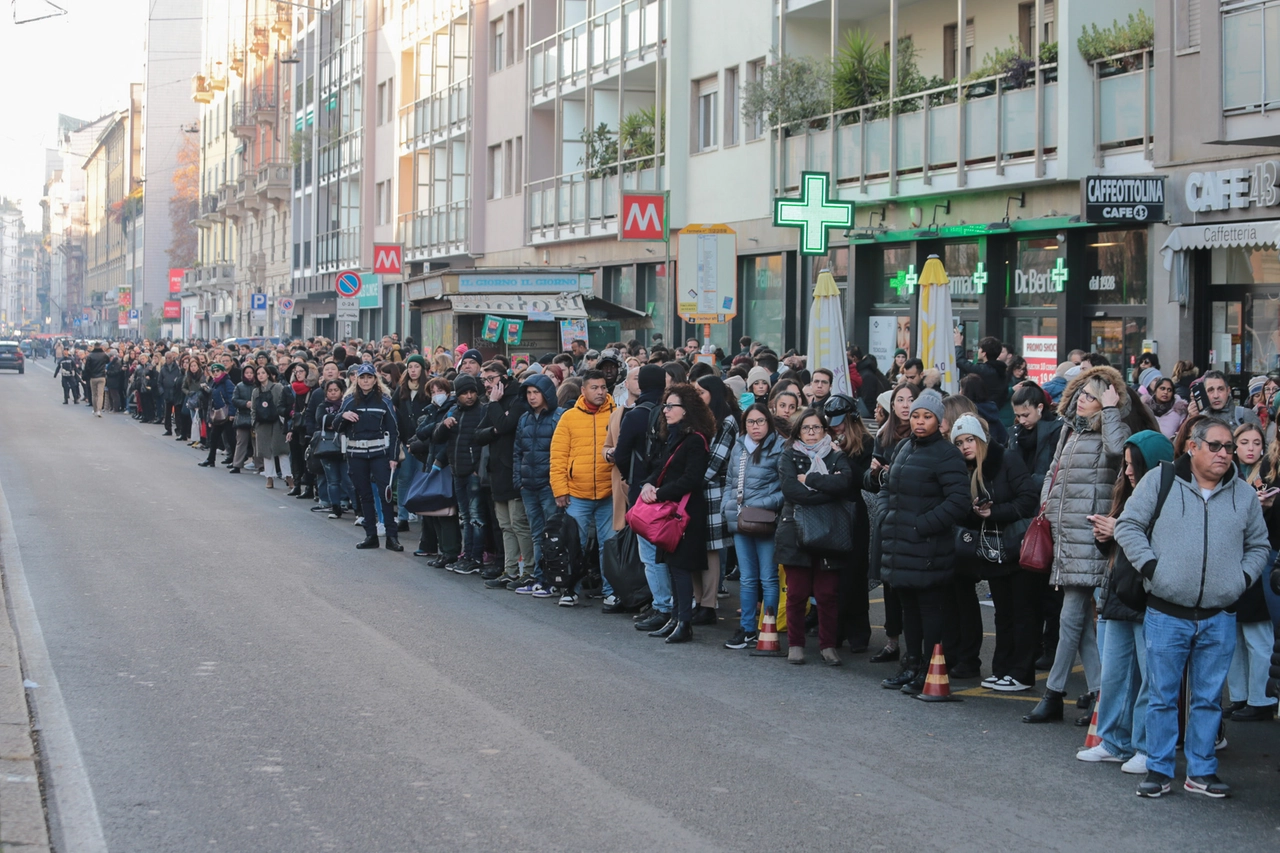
x=1034, y=281
x=518, y=305
x=1219, y=236
x=521, y=283
x=1119, y=199
x=1234, y=189
x=172, y=310
x=1041, y=354
x=175, y=280
x=814, y=213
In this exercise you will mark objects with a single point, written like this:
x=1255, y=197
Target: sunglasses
x=1216, y=447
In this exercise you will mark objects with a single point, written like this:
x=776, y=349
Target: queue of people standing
x=808, y=499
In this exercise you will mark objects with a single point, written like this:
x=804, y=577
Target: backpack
x=1126, y=578
x=264, y=409
x=563, y=560
x=643, y=457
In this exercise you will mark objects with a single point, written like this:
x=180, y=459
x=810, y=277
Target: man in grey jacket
x=1190, y=579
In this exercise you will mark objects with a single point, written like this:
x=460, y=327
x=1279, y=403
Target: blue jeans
x=597, y=513
x=1122, y=693
x=657, y=574
x=539, y=505
x=1171, y=643
x=1273, y=600
x=471, y=514
x=336, y=480
x=1250, y=666
x=756, y=569
x=409, y=468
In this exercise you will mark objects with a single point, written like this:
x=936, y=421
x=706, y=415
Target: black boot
x=653, y=621
x=682, y=633
x=666, y=629
x=906, y=674
x=393, y=542
x=1049, y=709
x=294, y=492
x=369, y=542
x=915, y=685
x=1086, y=702
x=308, y=493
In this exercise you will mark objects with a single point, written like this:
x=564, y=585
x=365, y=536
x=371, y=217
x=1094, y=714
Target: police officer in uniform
x=69, y=368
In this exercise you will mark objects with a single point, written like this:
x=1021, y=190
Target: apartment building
x=1218, y=143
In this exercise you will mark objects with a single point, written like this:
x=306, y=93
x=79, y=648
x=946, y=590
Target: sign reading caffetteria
x=1122, y=199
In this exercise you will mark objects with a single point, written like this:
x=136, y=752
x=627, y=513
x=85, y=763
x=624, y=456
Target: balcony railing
x=1250, y=56
x=243, y=122
x=264, y=103
x=585, y=203
x=344, y=155
x=628, y=32
x=436, y=232
x=984, y=122
x=1123, y=103
x=439, y=113
x=337, y=248
x=273, y=181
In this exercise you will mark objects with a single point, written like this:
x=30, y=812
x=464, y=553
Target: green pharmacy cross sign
x=905, y=282
x=1058, y=275
x=813, y=213
x=980, y=278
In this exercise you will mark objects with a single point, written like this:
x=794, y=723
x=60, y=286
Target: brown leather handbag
x=753, y=521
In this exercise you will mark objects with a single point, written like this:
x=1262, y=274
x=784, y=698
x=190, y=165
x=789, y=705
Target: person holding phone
x=1211, y=396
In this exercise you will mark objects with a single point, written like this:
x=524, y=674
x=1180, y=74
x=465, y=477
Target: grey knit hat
x=930, y=401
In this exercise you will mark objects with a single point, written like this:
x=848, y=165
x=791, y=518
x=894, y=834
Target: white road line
x=75, y=814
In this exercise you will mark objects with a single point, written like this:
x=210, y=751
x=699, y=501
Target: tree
x=184, y=204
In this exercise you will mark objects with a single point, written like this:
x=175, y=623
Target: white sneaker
x=1136, y=765
x=1096, y=754
x=1009, y=684
x=359, y=522
x=382, y=530
x=990, y=682
x=568, y=600
x=610, y=600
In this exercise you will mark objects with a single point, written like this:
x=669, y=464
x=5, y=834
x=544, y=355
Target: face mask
x=439, y=399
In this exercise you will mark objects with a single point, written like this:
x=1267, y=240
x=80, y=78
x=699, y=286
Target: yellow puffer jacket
x=578, y=466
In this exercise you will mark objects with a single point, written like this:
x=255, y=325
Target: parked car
x=11, y=357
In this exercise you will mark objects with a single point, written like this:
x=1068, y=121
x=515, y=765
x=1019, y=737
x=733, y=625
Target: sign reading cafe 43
x=1234, y=189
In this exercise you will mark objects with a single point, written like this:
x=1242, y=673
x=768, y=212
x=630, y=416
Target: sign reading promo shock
x=1122, y=199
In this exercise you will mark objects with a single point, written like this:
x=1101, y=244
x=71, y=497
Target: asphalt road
x=239, y=678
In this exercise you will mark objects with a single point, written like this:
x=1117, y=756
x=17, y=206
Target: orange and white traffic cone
x=767, y=641
x=937, y=686
x=1091, y=739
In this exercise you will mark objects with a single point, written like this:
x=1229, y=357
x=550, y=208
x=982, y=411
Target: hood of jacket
x=1154, y=447
x=544, y=384
x=1076, y=385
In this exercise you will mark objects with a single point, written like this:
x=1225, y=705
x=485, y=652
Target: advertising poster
x=513, y=331
x=1041, y=354
x=883, y=338
x=492, y=329
x=572, y=330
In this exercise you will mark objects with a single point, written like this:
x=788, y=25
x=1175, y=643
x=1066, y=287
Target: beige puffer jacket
x=1088, y=460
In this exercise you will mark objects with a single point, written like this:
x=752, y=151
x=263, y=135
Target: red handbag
x=1036, y=554
x=663, y=522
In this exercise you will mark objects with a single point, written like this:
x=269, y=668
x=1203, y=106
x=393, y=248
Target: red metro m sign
x=388, y=259
x=643, y=216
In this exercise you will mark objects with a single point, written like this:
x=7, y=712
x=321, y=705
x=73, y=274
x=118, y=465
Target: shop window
x=892, y=290
x=1017, y=329
x=1244, y=265
x=1031, y=282
x=960, y=260
x=764, y=299
x=1115, y=268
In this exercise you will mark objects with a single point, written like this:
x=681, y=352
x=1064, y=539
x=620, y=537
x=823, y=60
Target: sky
x=80, y=64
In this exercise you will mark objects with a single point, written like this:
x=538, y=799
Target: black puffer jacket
x=409, y=409
x=1008, y=486
x=424, y=446
x=240, y=401
x=499, y=432
x=992, y=373
x=835, y=485
x=461, y=446
x=1036, y=451
x=926, y=494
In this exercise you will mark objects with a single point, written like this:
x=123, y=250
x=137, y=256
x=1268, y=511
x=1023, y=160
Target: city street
x=238, y=677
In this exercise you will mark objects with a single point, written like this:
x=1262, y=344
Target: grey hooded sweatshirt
x=1203, y=552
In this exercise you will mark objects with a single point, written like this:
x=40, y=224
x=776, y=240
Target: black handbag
x=825, y=530
x=1126, y=581
x=326, y=445
x=985, y=543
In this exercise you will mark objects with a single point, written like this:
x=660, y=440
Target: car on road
x=11, y=357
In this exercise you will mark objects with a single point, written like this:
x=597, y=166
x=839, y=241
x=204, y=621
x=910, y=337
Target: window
x=755, y=74
x=1115, y=268
x=495, y=171
x=518, y=35
x=498, y=44
x=382, y=101
x=382, y=200
x=384, y=12
x=731, y=121
x=707, y=97
x=1027, y=25
x=1030, y=283
x=517, y=163
x=511, y=38
x=1186, y=25
x=950, y=69
x=506, y=167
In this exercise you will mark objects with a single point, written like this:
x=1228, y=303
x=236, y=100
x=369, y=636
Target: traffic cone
x=1091, y=739
x=937, y=686
x=767, y=641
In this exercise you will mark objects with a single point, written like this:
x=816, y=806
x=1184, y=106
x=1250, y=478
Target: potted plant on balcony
x=600, y=156
x=637, y=137
x=793, y=93
x=1117, y=48
x=860, y=76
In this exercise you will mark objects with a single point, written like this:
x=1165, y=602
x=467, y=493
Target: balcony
x=282, y=25
x=337, y=249
x=273, y=182
x=615, y=40
x=260, y=43
x=206, y=211
x=1251, y=70
x=219, y=276
x=435, y=233
x=435, y=117
x=1123, y=105
x=201, y=91
x=243, y=124
x=344, y=157
x=265, y=104
x=247, y=195
x=585, y=203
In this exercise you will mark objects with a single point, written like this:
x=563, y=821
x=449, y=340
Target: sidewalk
x=22, y=817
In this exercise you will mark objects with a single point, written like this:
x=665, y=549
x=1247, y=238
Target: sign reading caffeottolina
x=1105, y=198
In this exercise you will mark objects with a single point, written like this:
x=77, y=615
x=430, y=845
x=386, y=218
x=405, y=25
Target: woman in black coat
x=689, y=427
x=813, y=472
x=926, y=487
x=1004, y=500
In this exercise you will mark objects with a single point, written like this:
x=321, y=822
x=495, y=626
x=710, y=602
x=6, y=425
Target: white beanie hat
x=967, y=424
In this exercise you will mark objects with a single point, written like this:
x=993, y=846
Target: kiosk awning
x=1220, y=235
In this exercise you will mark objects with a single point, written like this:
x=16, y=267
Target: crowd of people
x=651, y=477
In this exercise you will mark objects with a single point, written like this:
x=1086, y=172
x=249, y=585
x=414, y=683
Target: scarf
x=815, y=454
x=1082, y=424
x=299, y=387
x=1159, y=409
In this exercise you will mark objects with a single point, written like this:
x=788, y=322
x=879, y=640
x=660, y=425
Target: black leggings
x=928, y=618
x=218, y=435
x=682, y=591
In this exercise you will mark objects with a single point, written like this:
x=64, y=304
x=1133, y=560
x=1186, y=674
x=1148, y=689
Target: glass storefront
x=763, y=294
x=1244, y=310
